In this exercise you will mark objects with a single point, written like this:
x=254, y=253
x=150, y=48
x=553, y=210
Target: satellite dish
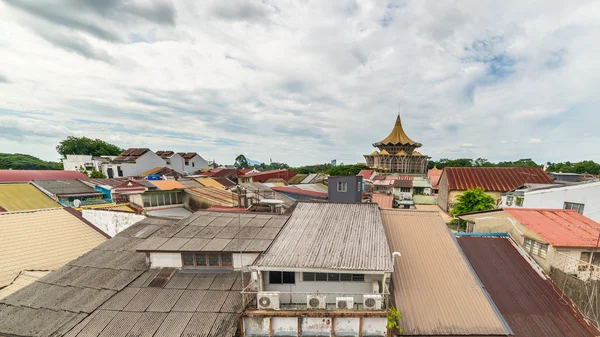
x=76, y=202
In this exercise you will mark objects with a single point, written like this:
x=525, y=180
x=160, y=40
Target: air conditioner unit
x=268, y=300
x=316, y=301
x=344, y=303
x=372, y=302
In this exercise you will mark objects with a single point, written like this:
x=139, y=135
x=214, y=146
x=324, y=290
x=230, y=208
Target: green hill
x=19, y=161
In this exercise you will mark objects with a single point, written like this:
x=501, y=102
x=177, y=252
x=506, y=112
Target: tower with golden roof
x=397, y=153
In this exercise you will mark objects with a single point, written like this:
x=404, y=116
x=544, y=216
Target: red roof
x=243, y=171
x=366, y=174
x=294, y=190
x=531, y=306
x=221, y=172
x=264, y=173
x=131, y=154
x=28, y=175
x=498, y=179
x=383, y=200
x=434, y=176
x=411, y=178
x=403, y=183
x=559, y=227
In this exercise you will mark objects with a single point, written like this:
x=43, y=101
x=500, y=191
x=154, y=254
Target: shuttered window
x=536, y=248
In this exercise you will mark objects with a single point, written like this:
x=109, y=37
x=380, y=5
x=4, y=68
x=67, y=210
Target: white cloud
x=534, y=141
x=303, y=83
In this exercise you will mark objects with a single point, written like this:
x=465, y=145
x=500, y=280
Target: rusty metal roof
x=433, y=286
x=165, y=154
x=531, y=305
x=106, y=293
x=498, y=179
x=559, y=227
x=337, y=236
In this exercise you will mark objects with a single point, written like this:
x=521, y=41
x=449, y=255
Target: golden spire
x=397, y=136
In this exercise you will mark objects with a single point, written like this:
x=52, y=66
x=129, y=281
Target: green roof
x=297, y=179
x=424, y=200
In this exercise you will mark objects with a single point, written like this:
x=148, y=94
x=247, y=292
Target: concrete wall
x=176, y=163
x=261, y=326
x=195, y=164
x=111, y=222
x=443, y=193
x=301, y=286
x=352, y=194
x=585, y=294
x=74, y=161
x=147, y=161
x=587, y=194
x=128, y=169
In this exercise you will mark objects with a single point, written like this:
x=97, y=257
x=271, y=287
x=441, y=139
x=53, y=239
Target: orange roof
x=366, y=174
x=397, y=136
x=209, y=182
x=434, y=176
x=559, y=227
x=167, y=185
x=383, y=200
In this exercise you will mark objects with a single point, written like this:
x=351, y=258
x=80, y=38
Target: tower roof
x=398, y=136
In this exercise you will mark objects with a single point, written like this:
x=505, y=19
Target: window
x=574, y=206
x=333, y=277
x=193, y=164
x=210, y=260
x=359, y=188
x=282, y=277
x=187, y=163
x=405, y=189
x=119, y=171
x=535, y=248
x=342, y=186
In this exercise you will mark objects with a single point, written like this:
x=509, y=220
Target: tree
x=346, y=170
x=87, y=146
x=241, y=162
x=18, y=161
x=97, y=174
x=473, y=200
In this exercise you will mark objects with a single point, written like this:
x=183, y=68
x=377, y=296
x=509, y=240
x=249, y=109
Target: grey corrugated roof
x=61, y=187
x=308, y=178
x=331, y=236
x=217, y=231
x=261, y=191
x=106, y=293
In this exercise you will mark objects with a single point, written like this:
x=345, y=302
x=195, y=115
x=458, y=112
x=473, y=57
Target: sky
x=303, y=82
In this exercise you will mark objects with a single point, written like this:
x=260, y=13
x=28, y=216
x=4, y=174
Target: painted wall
x=196, y=163
x=176, y=163
x=74, y=161
x=352, y=194
x=128, y=169
x=158, y=260
x=148, y=161
x=365, y=287
x=587, y=194
x=315, y=326
x=111, y=222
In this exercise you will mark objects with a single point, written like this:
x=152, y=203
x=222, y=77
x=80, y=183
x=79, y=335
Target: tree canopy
x=19, y=161
x=473, y=200
x=241, y=162
x=87, y=146
x=346, y=170
x=586, y=166
x=480, y=162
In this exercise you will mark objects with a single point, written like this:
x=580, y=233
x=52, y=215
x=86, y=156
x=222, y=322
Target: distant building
x=193, y=162
x=583, y=197
x=262, y=177
x=397, y=153
x=546, y=234
x=76, y=162
x=345, y=189
x=493, y=180
x=173, y=160
x=564, y=177
x=132, y=162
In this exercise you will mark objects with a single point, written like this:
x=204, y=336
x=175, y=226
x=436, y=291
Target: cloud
x=534, y=141
x=300, y=83
x=3, y=79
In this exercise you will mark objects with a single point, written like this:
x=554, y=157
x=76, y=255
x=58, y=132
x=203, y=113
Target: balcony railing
x=311, y=301
x=583, y=270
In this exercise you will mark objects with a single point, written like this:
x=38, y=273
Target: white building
x=74, y=162
x=192, y=162
x=583, y=197
x=132, y=162
x=173, y=160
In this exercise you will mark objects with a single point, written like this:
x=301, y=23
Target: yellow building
x=397, y=153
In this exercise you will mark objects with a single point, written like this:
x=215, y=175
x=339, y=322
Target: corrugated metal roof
x=499, y=179
x=167, y=185
x=297, y=179
x=531, y=306
x=131, y=154
x=333, y=236
x=62, y=187
x=214, y=196
x=104, y=182
x=382, y=200
x=42, y=240
x=402, y=183
x=308, y=178
x=298, y=191
x=559, y=227
x=366, y=174
x=24, y=197
x=209, y=182
x=421, y=182
x=434, y=175
x=110, y=287
x=433, y=286
x=23, y=176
